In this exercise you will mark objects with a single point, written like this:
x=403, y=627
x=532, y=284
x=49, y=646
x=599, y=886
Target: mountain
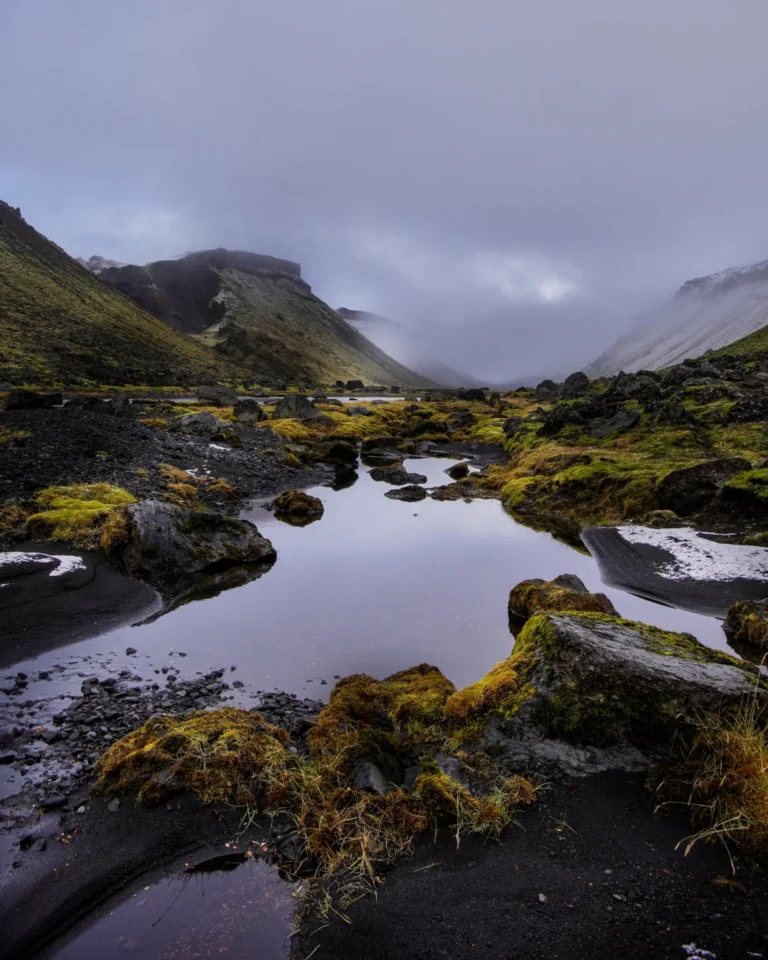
x=257, y=310
x=705, y=314
x=98, y=264
x=390, y=336
x=59, y=323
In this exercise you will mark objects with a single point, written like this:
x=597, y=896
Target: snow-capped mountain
x=704, y=314
x=97, y=264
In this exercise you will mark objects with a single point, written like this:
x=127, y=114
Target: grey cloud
x=618, y=147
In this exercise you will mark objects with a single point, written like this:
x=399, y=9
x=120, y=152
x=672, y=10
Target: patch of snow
x=215, y=446
x=697, y=558
x=66, y=562
x=698, y=953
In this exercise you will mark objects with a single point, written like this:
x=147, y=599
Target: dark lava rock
x=338, y=452
x=296, y=407
x=411, y=493
x=643, y=386
x=558, y=418
x=672, y=413
x=203, y=424
x=368, y=777
x=619, y=423
x=546, y=389
x=216, y=395
x=512, y=425
x=749, y=409
x=165, y=540
x=458, y=471
x=574, y=385
x=32, y=400
x=297, y=508
x=397, y=475
x=688, y=490
x=566, y=592
x=355, y=385
x=249, y=411
x=473, y=394
x=358, y=412
x=460, y=419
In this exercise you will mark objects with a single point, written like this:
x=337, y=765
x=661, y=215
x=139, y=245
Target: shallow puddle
x=238, y=914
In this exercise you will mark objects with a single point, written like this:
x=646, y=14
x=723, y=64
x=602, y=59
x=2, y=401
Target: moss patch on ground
x=77, y=513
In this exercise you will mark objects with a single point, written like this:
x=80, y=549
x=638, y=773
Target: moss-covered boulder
x=687, y=490
x=458, y=471
x=748, y=623
x=396, y=474
x=159, y=540
x=337, y=452
x=586, y=691
x=297, y=508
x=566, y=592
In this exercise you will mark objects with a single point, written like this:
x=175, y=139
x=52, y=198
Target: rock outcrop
x=162, y=540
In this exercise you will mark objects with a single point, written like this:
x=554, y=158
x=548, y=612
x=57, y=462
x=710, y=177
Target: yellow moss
x=418, y=697
x=225, y=755
x=76, y=512
x=114, y=532
x=221, y=486
x=173, y=474
x=12, y=515
x=160, y=423
x=530, y=597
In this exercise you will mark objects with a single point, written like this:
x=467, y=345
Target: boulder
x=747, y=623
x=662, y=520
x=358, y=412
x=546, y=389
x=296, y=407
x=642, y=386
x=411, y=493
x=586, y=692
x=216, y=395
x=249, y=411
x=458, y=471
x=460, y=420
x=512, y=426
x=574, y=385
x=672, y=413
x=337, y=452
x=749, y=409
x=558, y=418
x=297, y=508
x=473, y=394
x=396, y=474
x=379, y=443
x=32, y=400
x=162, y=540
x=355, y=385
x=203, y=424
x=619, y=423
x=566, y=592
x=688, y=490
x=91, y=405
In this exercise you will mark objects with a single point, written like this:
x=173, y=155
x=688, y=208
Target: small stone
x=129, y=651
x=113, y=806
x=542, y=898
x=80, y=809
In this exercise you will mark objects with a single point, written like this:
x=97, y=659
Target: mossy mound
x=77, y=513
x=226, y=755
x=662, y=519
x=748, y=623
x=297, y=508
x=566, y=592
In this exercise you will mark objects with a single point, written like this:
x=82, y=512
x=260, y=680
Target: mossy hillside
x=77, y=513
x=61, y=324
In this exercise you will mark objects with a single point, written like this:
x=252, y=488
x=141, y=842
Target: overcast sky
x=516, y=179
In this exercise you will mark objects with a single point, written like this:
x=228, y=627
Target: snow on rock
x=697, y=558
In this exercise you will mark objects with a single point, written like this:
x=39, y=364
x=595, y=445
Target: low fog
x=513, y=181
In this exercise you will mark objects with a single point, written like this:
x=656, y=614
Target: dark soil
x=605, y=864
x=69, y=445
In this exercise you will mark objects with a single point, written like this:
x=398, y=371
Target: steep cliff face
x=58, y=322
x=705, y=314
x=257, y=310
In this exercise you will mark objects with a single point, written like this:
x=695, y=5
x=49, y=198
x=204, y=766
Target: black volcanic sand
x=635, y=567
x=613, y=884
x=40, y=612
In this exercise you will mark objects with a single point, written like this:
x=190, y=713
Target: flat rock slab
x=51, y=597
x=679, y=567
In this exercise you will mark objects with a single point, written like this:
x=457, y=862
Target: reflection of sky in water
x=375, y=586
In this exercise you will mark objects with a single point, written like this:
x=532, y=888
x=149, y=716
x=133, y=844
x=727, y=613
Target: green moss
x=533, y=596
x=297, y=507
x=752, y=484
x=748, y=623
x=418, y=698
x=76, y=513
